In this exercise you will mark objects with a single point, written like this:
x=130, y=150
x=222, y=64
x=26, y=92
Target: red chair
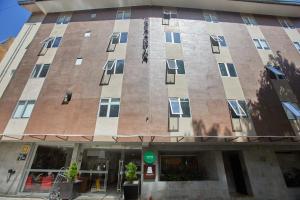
x=46, y=183
x=29, y=183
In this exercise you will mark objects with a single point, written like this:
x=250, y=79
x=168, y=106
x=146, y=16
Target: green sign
x=149, y=157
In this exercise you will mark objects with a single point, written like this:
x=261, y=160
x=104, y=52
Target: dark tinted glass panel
x=114, y=111
x=103, y=110
x=44, y=70
x=123, y=37
x=119, y=67
x=176, y=37
x=243, y=105
x=36, y=71
x=180, y=65
x=231, y=70
x=168, y=37
x=52, y=157
x=185, y=106
x=56, y=42
x=223, y=70
x=222, y=41
x=49, y=44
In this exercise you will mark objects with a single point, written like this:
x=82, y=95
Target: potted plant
x=131, y=185
x=69, y=188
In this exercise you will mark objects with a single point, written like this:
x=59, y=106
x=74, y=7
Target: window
x=23, y=109
x=290, y=168
x=40, y=71
x=210, y=17
x=78, y=61
x=222, y=41
x=93, y=15
x=187, y=166
x=115, y=39
x=216, y=42
x=179, y=107
x=52, y=42
x=297, y=45
x=87, y=34
x=123, y=14
x=175, y=66
x=172, y=37
x=227, y=69
x=167, y=16
x=261, y=44
x=275, y=72
x=109, y=107
x=249, y=20
x=292, y=110
x=237, y=108
x=63, y=19
x=47, y=162
x=114, y=66
x=286, y=23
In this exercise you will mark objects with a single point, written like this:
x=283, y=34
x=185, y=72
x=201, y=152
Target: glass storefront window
x=187, y=167
x=47, y=163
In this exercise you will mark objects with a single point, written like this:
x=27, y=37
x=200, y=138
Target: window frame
x=26, y=103
x=65, y=19
x=279, y=75
x=172, y=37
x=114, y=66
x=176, y=66
x=123, y=14
x=263, y=44
x=297, y=45
x=286, y=23
x=243, y=114
x=108, y=104
x=213, y=18
x=40, y=71
x=78, y=61
x=249, y=20
x=293, y=108
x=179, y=101
x=227, y=70
x=171, y=15
x=87, y=34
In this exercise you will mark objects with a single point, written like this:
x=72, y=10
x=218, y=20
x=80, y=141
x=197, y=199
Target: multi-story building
x=202, y=95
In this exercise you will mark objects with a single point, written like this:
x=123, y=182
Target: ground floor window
x=194, y=166
x=48, y=161
x=289, y=163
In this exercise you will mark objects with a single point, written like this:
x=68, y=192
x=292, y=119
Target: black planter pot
x=69, y=190
x=131, y=190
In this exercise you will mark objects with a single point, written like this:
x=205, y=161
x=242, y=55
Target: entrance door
x=236, y=173
x=114, y=157
x=120, y=175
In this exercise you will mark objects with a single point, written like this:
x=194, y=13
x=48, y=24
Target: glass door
x=120, y=175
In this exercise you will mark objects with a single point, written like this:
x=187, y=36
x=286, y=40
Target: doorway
x=236, y=174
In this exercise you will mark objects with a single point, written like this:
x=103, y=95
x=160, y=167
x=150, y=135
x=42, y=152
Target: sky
x=12, y=18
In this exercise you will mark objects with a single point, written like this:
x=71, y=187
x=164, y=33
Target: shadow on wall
x=267, y=113
x=215, y=130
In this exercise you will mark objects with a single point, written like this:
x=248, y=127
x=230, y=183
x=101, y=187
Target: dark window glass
x=49, y=43
x=103, y=110
x=172, y=115
x=231, y=70
x=185, y=106
x=123, y=37
x=114, y=111
x=120, y=67
x=223, y=70
x=222, y=41
x=176, y=37
x=257, y=44
x=233, y=115
x=115, y=39
x=36, y=71
x=243, y=105
x=56, y=42
x=180, y=66
x=44, y=70
x=168, y=37
x=52, y=157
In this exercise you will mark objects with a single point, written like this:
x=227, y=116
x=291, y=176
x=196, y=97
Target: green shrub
x=71, y=172
x=131, y=172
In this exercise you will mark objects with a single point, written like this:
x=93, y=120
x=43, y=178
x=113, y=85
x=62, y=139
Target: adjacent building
x=203, y=96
